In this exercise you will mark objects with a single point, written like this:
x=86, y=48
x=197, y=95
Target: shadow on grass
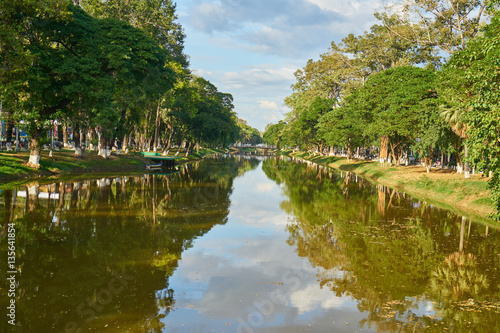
x=353, y=166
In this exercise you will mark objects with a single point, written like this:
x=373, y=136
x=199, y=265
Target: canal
x=243, y=244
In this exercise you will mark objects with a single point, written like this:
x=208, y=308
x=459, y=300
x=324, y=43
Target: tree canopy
x=114, y=72
x=422, y=82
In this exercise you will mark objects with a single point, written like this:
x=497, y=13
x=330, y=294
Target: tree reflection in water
x=96, y=255
x=397, y=257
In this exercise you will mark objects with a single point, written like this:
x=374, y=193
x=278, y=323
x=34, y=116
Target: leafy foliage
x=474, y=78
x=109, y=74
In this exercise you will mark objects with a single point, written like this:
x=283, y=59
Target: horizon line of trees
x=114, y=71
x=393, y=88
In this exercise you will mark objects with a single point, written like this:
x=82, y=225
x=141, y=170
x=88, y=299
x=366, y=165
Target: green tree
x=81, y=65
x=157, y=18
x=140, y=75
x=274, y=134
x=431, y=130
x=214, y=121
x=380, y=48
x=62, y=68
x=304, y=127
x=443, y=24
x=342, y=127
x=475, y=92
x=343, y=69
x=248, y=134
x=397, y=103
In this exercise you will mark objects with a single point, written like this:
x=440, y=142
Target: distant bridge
x=253, y=150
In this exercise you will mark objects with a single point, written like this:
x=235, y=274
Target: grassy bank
x=64, y=163
x=442, y=188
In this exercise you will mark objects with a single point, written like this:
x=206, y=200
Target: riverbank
x=65, y=163
x=442, y=188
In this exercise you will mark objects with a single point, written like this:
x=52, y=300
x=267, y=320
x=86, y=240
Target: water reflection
x=96, y=255
x=225, y=246
x=411, y=267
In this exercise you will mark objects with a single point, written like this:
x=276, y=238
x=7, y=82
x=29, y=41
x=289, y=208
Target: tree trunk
x=51, y=142
x=392, y=155
x=125, y=143
x=9, y=127
x=102, y=145
x=348, y=153
x=32, y=195
x=169, y=142
x=157, y=126
x=105, y=144
x=466, y=164
x=76, y=139
x=188, y=148
x=183, y=143
x=400, y=156
x=90, y=135
x=60, y=134
x=118, y=147
x=17, y=138
x=34, y=161
x=149, y=143
x=427, y=163
x=99, y=143
x=383, y=149
x=65, y=135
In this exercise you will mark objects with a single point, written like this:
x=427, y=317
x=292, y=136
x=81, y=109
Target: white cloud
x=231, y=39
x=347, y=7
x=272, y=118
x=264, y=187
x=311, y=297
x=268, y=105
x=259, y=76
x=258, y=91
x=288, y=28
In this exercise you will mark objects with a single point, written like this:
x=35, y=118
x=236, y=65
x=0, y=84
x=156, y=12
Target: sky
x=251, y=48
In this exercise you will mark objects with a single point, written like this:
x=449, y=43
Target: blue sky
x=251, y=48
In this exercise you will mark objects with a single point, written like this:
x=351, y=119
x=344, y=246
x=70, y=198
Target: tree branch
x=53, y=109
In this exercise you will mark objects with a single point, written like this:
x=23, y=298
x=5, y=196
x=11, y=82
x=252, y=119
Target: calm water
x=244, y=245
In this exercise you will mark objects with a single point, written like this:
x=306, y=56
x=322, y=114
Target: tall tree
x=474, y=86
x=21, y=24
x=81, y=64
x=274, y=134
x=139, y=70
x=392, y=101
x=342, y=127
x=155, y=17
x=445, y=24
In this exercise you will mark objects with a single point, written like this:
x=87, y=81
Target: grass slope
x=14, y=172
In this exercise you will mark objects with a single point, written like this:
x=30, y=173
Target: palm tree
x=458, y=277
x=454, y=117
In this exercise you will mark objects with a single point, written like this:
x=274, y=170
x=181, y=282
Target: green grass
x=423, y=183
x=65, y=165
x=11, y=164
x=13, y=168
x=482, y=201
